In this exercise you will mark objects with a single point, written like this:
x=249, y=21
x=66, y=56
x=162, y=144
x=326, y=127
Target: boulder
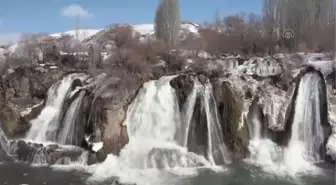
x=50, y=154
x=183, y=85
x=107, y=106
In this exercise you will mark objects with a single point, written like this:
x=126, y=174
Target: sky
x=52, y=16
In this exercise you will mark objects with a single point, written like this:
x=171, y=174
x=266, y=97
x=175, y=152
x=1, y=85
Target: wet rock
x=109, y=99
x=51, y=154
x=52, y=147
x=92, y=158
x=183, y=85
x=230, y=105
x=31, y=113
x=202, y=78
x=76, y=83
x=10, y=117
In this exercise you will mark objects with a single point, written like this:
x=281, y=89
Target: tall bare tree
x=311, y=21
x=167, y=21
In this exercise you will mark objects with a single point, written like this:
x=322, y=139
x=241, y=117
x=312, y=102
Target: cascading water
x=154, y=118
x=68, y=133
x=307, y=133
x=55, y=124
x=45, y=126
x=263, y=151
x=158, y=133
x=187, y=113
x=4, y=145
x=217, y=151
x=306, y=140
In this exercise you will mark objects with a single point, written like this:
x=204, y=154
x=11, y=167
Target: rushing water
x=302, y=154
x=307, y=132
x=45, y=127
x=18, y=173
x=159, y=132
x=68, y=133
x=216, y=148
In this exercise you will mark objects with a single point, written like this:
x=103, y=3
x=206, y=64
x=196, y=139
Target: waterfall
x=255, y=120
x=159, y=134
x=4, y=145
x=187, y=113
x=217, y=151
x=306, y=140
x=152, y=121
x=307, y=133
x=155, y=112
x=46, y=126
x=68, y=133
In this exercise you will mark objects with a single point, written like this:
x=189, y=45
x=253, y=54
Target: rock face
x=106, y=106
x=261, y=87
x=23, y=89
x=230, y=106
x=183, y=85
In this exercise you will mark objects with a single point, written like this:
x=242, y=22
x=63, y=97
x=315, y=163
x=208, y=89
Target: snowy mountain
x=82, y=33
x=146, y=31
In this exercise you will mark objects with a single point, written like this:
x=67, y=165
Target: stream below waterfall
x=243, y=174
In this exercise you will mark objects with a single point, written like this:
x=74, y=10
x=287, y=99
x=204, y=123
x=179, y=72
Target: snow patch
x=97, y=146
x=144, y=29
x=82, y=33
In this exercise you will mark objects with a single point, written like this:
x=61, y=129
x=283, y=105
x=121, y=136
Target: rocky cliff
x=267, y=86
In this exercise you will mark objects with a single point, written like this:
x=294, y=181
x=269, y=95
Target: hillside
x=88, y=36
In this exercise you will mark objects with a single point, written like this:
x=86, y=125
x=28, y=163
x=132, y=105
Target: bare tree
x=4, y=59
x=28, y=46
x=167, y=21
x=311, y=21
x=94, y=53
x=65, y=43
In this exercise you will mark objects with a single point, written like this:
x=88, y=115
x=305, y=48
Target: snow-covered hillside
x=82, y=33
x=146, y=31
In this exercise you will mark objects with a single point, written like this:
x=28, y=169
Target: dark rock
x=51, y=154
x=248, y=94
x=107, y=111
x=76, y=83
x=202, y=78
x=101, y=155
x=92, y=158
x=183, y=85
x=10, y=117
x=52, y=147
x=230, y=108
x=331, y=79
x=31, y=113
